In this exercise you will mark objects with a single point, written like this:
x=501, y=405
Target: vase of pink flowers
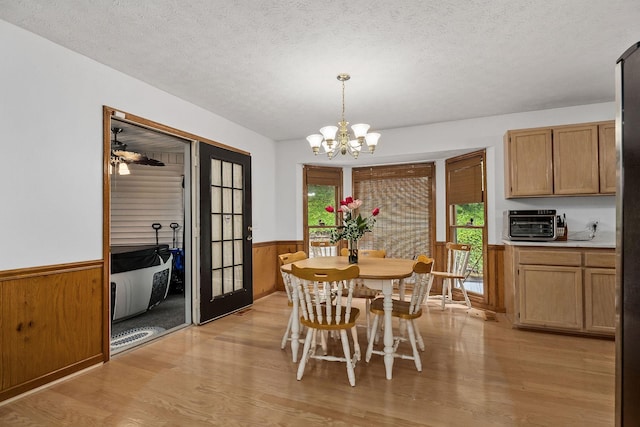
x=353, y=226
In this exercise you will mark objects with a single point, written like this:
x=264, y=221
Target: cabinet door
x=551, y=296
x=600, y=300
x=575, y=160
x=528, y=163
x=607, y=151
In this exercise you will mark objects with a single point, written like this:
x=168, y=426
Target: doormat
x=134, y=336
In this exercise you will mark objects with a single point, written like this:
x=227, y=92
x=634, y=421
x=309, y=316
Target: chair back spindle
x=323, y=248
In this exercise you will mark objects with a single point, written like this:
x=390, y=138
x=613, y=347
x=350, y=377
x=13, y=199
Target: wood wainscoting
x=51, y=324
x=266, y=269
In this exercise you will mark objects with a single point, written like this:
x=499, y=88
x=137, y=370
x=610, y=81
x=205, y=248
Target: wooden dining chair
x=408, y=311
x=290, y=289
x=455, y=275
x=360, y=290
x=323, y=248
x=321, y=317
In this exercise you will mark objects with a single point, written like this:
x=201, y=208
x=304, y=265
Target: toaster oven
x=534, y=225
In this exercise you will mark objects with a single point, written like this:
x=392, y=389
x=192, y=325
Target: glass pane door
x=225, y=232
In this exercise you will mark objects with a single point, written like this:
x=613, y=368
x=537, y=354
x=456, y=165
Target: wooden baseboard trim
x=49, y=379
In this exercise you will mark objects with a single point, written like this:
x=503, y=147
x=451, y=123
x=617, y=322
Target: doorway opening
x=150, y=221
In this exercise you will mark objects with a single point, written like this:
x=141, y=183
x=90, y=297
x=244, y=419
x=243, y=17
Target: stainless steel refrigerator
x=628, y=238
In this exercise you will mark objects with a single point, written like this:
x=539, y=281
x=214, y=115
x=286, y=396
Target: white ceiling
x=271, y=66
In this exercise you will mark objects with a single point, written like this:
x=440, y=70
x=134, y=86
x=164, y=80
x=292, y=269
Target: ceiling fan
x=120, y=154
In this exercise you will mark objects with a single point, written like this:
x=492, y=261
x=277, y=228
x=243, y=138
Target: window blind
x=405, y=226
x=465, y=180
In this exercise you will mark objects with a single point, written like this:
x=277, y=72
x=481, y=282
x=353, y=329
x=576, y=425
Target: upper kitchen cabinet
x=607, y=147
x=575, y=160
x=528, y=163
x=568, y=160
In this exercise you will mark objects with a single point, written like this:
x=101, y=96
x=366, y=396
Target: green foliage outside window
x=471, y=214
x=319, y=197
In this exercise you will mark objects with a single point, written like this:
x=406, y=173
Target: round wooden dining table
x=377, y=273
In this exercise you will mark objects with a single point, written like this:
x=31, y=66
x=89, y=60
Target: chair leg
x=426, y=295
x=286, y=337
x=306, y=351
x=323, y=341
x=445, y=285
x=368, y=316
x=377, y=330
x=418, y=336
x=372, y=337
x=356, y=345
x=412, y=339
x=347, y=355
x=464, y=292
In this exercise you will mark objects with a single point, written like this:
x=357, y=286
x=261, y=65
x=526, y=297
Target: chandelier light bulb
x=329, y=132
x=360, y=130
x=123, y=169
x=315, y=141
x=372, y=140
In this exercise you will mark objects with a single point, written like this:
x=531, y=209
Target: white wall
x=436, y=142
x=51, y=137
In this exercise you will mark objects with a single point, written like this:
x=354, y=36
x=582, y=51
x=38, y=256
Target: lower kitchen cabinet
x=551, y=296
x=561, y=289
x=600, y=300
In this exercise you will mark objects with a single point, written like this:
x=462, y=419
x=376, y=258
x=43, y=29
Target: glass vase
x=353, y=251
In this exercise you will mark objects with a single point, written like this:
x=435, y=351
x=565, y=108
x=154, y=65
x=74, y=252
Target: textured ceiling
x=271, y=66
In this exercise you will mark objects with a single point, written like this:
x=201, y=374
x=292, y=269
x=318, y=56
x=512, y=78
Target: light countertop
x=601, y=240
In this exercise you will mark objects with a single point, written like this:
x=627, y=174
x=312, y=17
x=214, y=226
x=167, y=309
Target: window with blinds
x=405, y=226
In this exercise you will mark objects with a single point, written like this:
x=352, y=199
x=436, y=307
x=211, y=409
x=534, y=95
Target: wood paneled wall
x=51, y=324
x=266, y=269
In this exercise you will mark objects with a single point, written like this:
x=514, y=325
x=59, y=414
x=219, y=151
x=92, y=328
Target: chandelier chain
x=343, y=100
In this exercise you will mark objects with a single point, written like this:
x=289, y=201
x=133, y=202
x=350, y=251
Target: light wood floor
x=232, y=372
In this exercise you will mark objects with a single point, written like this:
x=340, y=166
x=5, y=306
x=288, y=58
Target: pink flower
x=329, y=209
x=355, y=204
x=375, y=212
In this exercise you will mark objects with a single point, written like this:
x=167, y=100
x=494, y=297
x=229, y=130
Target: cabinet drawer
x=550, y=257
x=600, y=259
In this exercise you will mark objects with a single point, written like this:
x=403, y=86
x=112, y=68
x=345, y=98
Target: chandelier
x=343, y=143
